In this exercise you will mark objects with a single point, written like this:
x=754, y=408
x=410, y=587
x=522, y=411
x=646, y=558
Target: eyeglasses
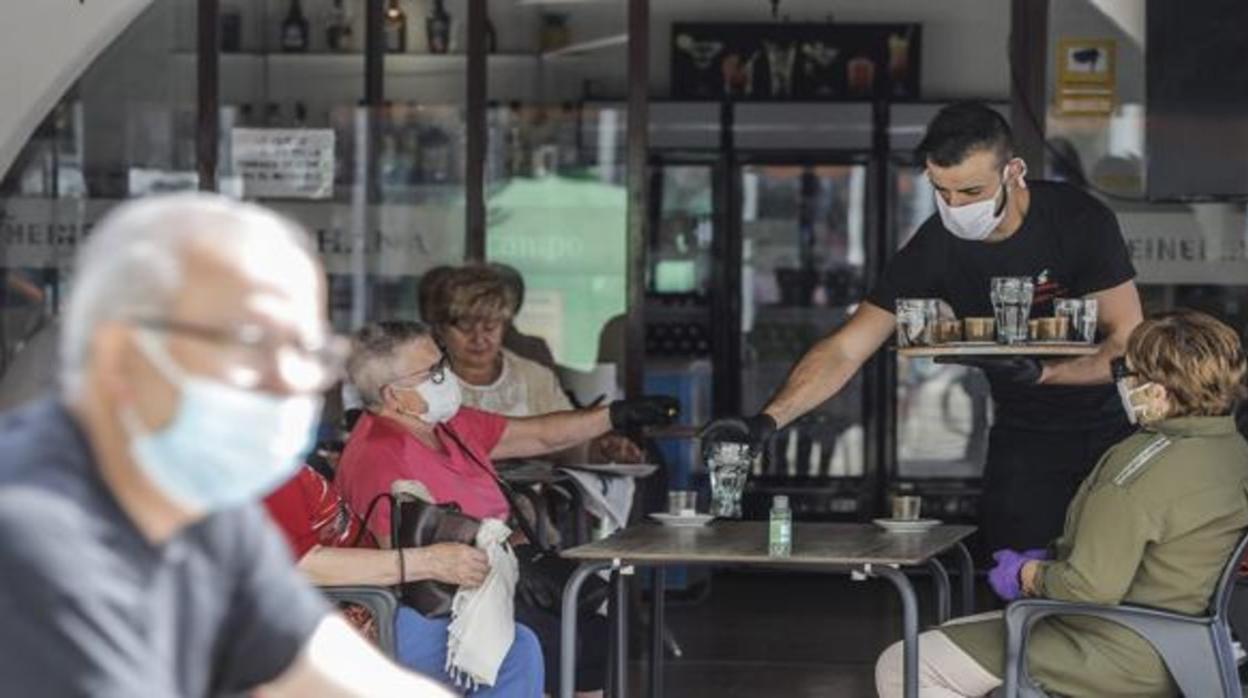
x=1119, y=370
x=247, y=353
x=435, y=373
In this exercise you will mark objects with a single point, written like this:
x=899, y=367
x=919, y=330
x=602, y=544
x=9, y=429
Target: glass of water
x=1082, y=314
x=916, y=321
x=729, y=466
x=1011, y=303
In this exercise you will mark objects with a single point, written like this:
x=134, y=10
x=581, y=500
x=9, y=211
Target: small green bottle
x=780, y=536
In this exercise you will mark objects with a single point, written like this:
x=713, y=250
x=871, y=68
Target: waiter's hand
x=1021, y=370
x=649, y=411
x=754, y=431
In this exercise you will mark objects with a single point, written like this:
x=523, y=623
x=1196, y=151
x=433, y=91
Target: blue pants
x=422, y=647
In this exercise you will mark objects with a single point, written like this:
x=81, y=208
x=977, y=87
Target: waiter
x=1053, y=419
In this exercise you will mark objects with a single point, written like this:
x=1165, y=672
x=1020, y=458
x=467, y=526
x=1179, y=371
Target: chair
x=379, y=601
x=1197, y=650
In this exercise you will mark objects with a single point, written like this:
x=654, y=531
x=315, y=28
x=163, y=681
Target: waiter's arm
x=1118, y=312
x=829, y=365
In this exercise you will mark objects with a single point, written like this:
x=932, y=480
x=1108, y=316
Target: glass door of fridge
x=678, y=297
x=803, y=263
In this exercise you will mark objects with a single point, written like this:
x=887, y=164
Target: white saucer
x=633, y=470
x=907, y=525
x=688, y=521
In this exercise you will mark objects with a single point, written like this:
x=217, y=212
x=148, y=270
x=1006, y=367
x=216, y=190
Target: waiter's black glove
x=649, y=411
x=754, y=431
x=1020, y=370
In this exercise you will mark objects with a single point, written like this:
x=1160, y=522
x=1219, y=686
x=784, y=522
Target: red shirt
x=309, y=512
x=381, y=451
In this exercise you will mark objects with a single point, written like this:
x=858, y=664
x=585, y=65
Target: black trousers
x=1030, y=478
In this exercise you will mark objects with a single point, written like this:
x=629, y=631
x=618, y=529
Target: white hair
x=132, y=263
x=374, y=356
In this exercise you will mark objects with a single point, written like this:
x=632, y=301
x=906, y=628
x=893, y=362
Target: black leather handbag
x=416, y=523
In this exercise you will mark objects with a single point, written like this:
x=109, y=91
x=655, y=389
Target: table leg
x=910, y=623
x=940, y=577
x=658, y=602
x=966, y=577
x=619, y=687
x=567, y=626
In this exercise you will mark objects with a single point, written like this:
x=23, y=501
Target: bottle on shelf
x=338, y=33
x=273, y=115
x=790, y=454
x=396, y=28
x=295, y=29
x=780, y=532
x=491, y=36
x=231, y=28
x=301, y=115
x=438, y=28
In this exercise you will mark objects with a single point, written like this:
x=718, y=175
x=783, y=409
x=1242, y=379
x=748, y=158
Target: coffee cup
x=907, y=507
x=947, y=331
x=979, y=329
x=1049, y=329
x=682, y=503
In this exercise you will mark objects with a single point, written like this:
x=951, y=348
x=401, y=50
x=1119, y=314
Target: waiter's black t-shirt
x=1069, y=243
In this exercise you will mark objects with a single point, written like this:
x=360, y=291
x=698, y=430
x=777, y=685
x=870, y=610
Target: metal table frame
x=621, y=569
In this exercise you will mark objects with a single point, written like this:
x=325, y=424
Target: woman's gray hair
x=132, y=263
x=374, y=356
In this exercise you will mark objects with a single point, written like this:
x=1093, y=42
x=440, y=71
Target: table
x=860, y=549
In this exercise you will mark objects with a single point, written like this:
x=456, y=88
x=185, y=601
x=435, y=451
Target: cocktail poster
x=782, y=61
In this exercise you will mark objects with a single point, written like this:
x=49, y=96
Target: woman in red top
x=414, y=429
x=321, y=528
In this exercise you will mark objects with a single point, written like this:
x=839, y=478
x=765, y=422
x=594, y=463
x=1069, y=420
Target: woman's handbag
x=416, y=523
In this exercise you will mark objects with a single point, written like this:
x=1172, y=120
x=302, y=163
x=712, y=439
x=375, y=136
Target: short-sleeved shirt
x=310, y=512
x=1069, y=244
x=91, y=607
x=380, y=451
x=523, y=388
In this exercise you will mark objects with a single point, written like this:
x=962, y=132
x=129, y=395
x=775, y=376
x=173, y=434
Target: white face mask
x=224, y=445
x=442, y=398
x=976, y=221
x=1136, y=413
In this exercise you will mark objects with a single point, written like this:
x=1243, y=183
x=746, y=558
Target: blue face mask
x=224, y=445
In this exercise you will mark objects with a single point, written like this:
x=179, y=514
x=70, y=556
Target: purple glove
x=1036, y=554
x=1004, y=576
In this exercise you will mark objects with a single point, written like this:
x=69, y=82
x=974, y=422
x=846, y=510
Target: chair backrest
x=1226, y=583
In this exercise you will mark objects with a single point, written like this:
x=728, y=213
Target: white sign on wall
x=296, y=163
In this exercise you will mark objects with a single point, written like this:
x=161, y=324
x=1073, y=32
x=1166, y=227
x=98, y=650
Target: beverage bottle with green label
x=780, y=535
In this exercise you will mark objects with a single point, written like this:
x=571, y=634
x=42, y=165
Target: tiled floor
x=793, y=635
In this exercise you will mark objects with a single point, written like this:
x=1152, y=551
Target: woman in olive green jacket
x=1152, y=525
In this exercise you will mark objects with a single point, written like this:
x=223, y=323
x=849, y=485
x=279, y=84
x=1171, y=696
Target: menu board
x=782, y=61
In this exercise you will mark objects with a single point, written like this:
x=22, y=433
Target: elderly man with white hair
x=193, y=354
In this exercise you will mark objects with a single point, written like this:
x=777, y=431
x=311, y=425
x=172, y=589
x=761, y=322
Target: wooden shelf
x=338, y=78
